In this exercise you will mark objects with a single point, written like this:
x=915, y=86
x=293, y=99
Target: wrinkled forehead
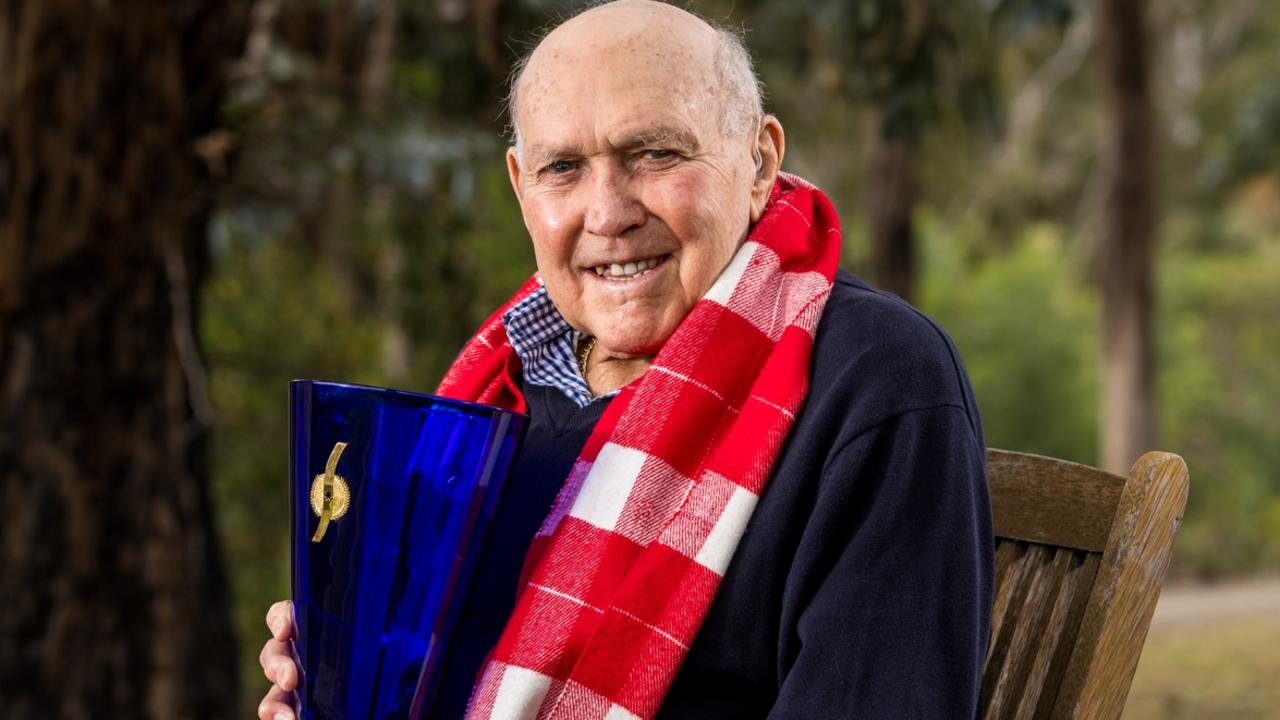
x=607, y=68
x=600, y=81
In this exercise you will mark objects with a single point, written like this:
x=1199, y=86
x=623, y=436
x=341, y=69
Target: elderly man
x=752, y=486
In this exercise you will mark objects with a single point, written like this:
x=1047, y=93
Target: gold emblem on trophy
x=330, y=494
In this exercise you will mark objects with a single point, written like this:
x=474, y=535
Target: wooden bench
x=1080, y=557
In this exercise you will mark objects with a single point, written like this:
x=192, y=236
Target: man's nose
x=613, y=207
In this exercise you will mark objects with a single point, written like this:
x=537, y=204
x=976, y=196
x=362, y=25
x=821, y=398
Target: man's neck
x=607, y=372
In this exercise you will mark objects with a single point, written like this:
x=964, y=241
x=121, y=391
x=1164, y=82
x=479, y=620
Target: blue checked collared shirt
x=546, y=344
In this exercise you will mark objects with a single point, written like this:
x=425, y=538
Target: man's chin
x=624, y=342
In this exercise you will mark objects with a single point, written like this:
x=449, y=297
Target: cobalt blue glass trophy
x=391, y=496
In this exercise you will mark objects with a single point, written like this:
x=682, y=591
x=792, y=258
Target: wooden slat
x=1016, y=566
x=1055, y=644
x=1010, y=565
x=1081, y=581
x=1041, y=594
x=1028, y=632
x=1050, y=501
x=1047, y=632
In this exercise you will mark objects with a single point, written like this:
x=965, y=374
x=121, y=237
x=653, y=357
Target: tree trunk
x=376, y=74
x=891, y=200
x=1128, y=237
x=115, y=604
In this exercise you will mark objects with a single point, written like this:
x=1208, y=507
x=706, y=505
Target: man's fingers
x=280, y=620
x=277, y=705
x=277, y=664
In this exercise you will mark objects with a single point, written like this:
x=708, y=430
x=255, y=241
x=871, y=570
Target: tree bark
x=891, y=200
x=1128, y=237
x=115, y=603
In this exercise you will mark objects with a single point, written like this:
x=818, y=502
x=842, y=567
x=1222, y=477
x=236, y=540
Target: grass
x=1209, y=671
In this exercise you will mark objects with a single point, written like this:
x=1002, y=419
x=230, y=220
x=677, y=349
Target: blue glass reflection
x=376, y=597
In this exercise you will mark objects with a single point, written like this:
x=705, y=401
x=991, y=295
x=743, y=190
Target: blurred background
x=202, y=200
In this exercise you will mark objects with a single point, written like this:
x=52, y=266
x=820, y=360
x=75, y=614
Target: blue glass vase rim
x=409, y=394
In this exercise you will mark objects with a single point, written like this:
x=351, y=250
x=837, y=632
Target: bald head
x=641, y=42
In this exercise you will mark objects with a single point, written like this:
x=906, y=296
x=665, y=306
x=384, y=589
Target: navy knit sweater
x=862, y=586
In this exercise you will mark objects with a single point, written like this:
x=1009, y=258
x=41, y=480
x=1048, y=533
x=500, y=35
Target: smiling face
x=634, y=197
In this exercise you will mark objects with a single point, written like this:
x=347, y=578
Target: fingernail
x=277, y=626
x=282, y=716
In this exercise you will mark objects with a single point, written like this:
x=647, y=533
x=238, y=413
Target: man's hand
x=277, y=663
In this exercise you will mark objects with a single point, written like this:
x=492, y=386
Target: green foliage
x=1025, y=325
x=913, y=60
x=1025, y=321
x=1218, y=390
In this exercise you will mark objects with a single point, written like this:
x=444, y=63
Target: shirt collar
x=547, y=345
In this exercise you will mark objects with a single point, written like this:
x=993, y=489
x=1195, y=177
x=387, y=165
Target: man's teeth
x=627, y=270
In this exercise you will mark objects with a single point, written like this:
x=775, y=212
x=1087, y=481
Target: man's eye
x=658, y=154
x=560, y=167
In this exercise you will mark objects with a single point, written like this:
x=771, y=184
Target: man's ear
x=771, y=145
x=513, y=171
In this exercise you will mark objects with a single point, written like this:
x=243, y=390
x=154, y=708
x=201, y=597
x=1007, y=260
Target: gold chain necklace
x=584, y=353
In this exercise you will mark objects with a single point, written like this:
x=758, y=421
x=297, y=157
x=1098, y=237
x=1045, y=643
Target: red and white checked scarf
x=621, y=574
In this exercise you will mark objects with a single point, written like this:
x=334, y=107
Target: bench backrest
x=1080, y=557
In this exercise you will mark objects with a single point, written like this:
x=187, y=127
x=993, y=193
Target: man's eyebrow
x=538, y=155
x=677, y=136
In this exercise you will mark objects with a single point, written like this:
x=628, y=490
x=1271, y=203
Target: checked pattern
x=622, y=572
